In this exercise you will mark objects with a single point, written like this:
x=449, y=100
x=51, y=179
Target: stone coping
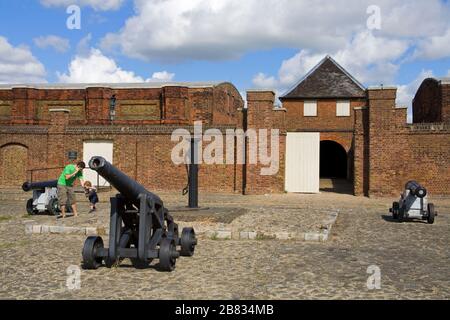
x=59, y=110
x=221, y=233
x=429, y=126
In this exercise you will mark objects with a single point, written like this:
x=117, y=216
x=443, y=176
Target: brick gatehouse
x=330, y=126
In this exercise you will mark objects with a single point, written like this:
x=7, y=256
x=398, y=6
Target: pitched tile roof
x=326, y=80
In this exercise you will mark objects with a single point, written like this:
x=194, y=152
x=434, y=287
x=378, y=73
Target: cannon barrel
x=129, y=188
x=416, y=189
x=28, y=186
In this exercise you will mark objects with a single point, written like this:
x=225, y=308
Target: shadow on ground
x=340, y=186
x=389, y=218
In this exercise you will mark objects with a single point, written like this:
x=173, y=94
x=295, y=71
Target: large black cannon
x=45, y=197
x=140, y=227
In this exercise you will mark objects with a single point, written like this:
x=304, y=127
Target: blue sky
x=250, y=43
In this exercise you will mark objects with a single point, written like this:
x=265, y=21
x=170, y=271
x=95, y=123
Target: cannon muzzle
x=28, y=186
x=129, y=188
x=416, y=189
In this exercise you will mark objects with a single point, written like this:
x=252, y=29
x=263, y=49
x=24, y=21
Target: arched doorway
x=334, y=168
x=13, y=164
x=333, y=160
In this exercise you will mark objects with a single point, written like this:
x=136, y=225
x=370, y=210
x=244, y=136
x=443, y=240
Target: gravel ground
x=413, y=257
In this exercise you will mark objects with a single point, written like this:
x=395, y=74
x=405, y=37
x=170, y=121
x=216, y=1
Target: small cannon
x=413, y=203
x=45, y=197
x=140, y=227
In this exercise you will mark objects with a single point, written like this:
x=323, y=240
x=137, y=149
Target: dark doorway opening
x=333, y=160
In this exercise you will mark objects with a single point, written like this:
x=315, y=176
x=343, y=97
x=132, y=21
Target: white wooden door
x=302, y=162
x=96, y=148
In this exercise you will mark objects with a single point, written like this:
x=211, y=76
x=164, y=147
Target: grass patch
x=214, y=236
x=262, y=236
x=5, y=218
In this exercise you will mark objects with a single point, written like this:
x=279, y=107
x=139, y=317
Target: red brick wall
x=34, y=140
x=399, y=152
x=446, y=102
x=144, y=155
x=262, y=115
x=172, y=105
x=361, y=152
x=427, y=103
x=326, y=115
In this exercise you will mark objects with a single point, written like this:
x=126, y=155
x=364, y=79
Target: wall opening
x=333, y=160
x=13, y=165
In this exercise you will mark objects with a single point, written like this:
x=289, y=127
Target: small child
x=91, y=194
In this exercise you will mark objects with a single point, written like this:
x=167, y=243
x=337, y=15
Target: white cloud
x=95, y=67
x=225, y=29
x=18, y=65
x=57, y=43
x=370, y=58
x=162, y=76
x=293, y=69
x=100, y=5
x=435, y=47
x=406, y=93
x=413, y=18
x=262, y=81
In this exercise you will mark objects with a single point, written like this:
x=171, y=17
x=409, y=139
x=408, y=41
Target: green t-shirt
x=69, y=169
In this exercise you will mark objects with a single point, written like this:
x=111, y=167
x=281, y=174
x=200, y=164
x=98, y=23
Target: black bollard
x=193, y=175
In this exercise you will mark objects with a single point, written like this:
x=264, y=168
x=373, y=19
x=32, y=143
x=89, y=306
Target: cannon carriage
x=413, y=204
x=141, y=228
x=45, y=197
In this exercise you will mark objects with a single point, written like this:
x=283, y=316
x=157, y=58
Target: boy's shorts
x=93, y=198
x=66, y=195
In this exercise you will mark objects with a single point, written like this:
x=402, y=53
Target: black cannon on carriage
x=413, y=204
x=45, y=197
x=141, y=228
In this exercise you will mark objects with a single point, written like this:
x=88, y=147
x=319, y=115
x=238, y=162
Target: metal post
x=193, y=175
x=98, y=182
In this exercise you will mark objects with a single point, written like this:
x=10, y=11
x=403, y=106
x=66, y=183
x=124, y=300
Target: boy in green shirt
x=65, y=186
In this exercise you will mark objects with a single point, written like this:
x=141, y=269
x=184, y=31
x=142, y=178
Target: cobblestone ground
x=413, y=259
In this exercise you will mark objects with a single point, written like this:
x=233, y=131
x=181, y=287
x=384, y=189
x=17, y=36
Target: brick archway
x=13, y=164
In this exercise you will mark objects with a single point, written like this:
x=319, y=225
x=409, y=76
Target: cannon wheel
x=167, y=254
x=188, y=242
x=395, y=209
x=431, y=213
x=53, y=207
x=30, y=209
x=90, y=259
